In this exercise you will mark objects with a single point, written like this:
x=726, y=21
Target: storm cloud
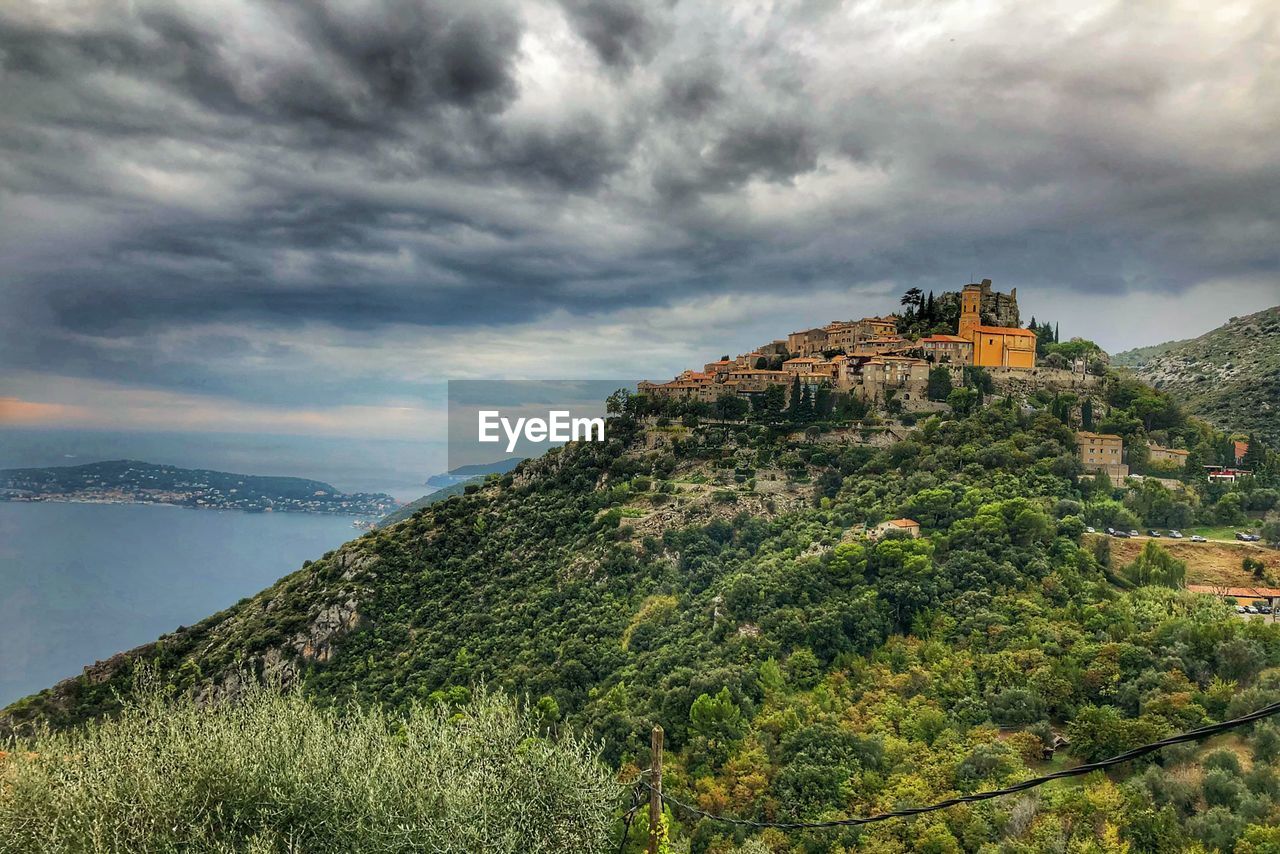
x=292, y=202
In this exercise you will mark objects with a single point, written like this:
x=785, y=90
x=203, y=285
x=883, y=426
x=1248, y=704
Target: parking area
x=1251, y=602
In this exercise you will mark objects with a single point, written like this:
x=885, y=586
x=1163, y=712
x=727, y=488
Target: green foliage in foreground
x=273, y=773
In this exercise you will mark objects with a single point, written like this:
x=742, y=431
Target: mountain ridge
x=1230, y=376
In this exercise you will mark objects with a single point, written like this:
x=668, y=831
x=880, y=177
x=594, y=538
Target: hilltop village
x=951, y=353
x=877, y=358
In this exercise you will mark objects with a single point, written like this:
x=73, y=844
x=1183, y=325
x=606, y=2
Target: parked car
x=1249, y=609
x=1177, y=535
x=1241, y=535
x=1264, y=609
x=1089, y=530
x=1133, y=533
x=1111, y=530
x=1196, y=538
x=1124, y=535
x=1153, y=533
x=1240, y=609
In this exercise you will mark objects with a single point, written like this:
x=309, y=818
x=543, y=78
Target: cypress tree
x=1255, y=456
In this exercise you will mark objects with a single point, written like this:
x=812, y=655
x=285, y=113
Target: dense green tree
x=939, y=383
x=717, y=719
x=1154, y=565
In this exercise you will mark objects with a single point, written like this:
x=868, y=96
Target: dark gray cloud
x=621, y=31
x=258, y=199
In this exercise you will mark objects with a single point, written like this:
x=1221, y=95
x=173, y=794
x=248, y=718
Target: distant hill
x=464, y=473
x=133, y=481
x=407, y=510
x=452, y=483
x=1230, y=376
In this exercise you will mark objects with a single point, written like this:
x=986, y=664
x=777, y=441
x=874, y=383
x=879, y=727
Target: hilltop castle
x=869, y=357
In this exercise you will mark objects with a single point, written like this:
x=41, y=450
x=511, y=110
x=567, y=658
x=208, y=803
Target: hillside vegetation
x=406, y=511
x=717, y=579
x=1230, y=376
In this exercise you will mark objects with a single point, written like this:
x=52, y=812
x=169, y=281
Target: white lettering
x=559, y=425
x=587, y=425
x=535, y=430
x=513, y=434
x=488, y=422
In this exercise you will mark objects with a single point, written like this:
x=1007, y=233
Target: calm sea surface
x=80, y=582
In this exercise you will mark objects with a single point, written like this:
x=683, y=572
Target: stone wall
x=1025, y=381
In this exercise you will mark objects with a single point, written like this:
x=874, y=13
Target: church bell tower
x=970, y=309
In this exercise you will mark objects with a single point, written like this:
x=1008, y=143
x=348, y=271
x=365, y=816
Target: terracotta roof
x=953, y=339
x=903, y=523
x=1086, y=434
x=1004, y=330
x=1248, y=592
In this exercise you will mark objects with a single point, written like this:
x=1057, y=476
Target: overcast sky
x=299, y=217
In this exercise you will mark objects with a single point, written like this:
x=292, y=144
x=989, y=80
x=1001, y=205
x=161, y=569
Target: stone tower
x=970, y=309
x=980, y=305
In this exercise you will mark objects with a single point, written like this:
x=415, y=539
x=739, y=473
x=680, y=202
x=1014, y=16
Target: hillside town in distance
x=909, y=363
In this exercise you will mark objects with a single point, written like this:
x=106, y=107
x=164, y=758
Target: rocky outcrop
x=317, y=643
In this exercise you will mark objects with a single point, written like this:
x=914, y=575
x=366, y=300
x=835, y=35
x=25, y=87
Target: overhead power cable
x=907, y=812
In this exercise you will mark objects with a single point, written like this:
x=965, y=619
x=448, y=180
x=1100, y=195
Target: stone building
x=910, y=527
x=1002, y=347
x=1176, y=456
x=802, y=365
x=1103, y=452
x=990, y=321
x=905, y=376
x=948, y=349
x=807, y=342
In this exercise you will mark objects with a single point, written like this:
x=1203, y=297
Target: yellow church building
x=993, y=346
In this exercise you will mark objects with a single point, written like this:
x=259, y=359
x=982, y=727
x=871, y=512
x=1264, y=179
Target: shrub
x=271, y=772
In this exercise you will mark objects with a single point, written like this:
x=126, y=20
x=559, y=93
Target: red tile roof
x=1244, y=592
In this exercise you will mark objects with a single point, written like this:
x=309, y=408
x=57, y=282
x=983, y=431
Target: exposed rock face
x=317, y=643
x=355, y=564
x=272, y=667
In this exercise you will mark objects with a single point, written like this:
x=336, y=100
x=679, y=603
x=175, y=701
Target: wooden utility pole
x=655, y=789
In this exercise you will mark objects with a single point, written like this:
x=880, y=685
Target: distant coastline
x=136, y=482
